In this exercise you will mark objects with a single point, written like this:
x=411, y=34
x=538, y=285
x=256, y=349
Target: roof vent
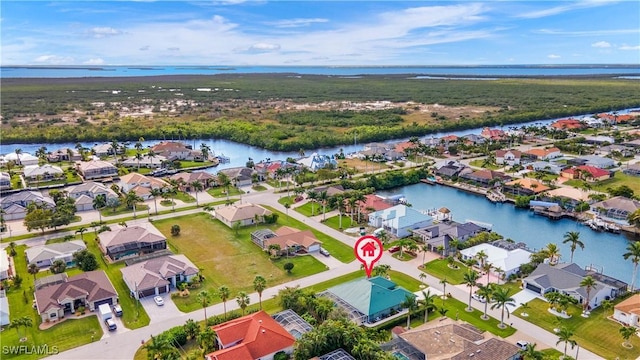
x=478, y=351
x=264, y=331
x=453, y=341
x=471, y=355
x=260, y=321
x=437, y=332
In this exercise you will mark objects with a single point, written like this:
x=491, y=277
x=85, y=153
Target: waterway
x=602, y=250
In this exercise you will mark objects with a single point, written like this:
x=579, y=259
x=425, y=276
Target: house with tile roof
x=373, y=202
x=287, y=238
x=96, y=169
x=240, y=176
x=399, y=220
x=158, y=275
x=450, y=340
x=492, y=134
x=42, y=173
x=43, y=256
x=187, y=178
x=565, y=278
x=90, y=189
x=245, y=214
x=254, y=336
x=368, y=300
x=568, y=124
x=141, y=184
x=486, y=177
x=154, y=162
x=525, y=186
x=544, y=153
x=586, y=172
x=570, y=196
x=102, y=150
x=88, y=289
x=617, y=208
x=450, y=168
x=174, y=150
x=64, y=154
x=509, y=261
x=24, y=159
x=131, y=241
x=628, y=311
x=508, y=157
x=442, y=233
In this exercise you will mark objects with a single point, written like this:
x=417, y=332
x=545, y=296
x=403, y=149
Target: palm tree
x=501, y=299
x=155, y=192
x=634, y=218
x=138, y=157
x=114, y=147
x=573, y=237
x=482, y=257
x=243, y=300
x=633, y=253
x=424, y=249
x=224, y=181
x=18, y=151
x=552, y=253
x=410, y=304
x=259, y=284
x=428, y=302
x=422, y=276
x=197, y=186
x=99, y=202
x=205, y=149
x=323, y=198
x=588, y=283
x=627, y=332
x=287, y=206
x=81, y=231
x=25, y=321
x=224, y=294
x=444, y=283
x=470, y=278
x=204, y=298
x=33, y=270
x=524, y=306
x=485, y=292
x=565, y=335
x=530, y=353
x=487, y=267
x=312, y=195
x=132, y=199
x=158, y=347
x=606, y=305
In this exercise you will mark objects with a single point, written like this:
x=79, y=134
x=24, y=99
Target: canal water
x=602, y=250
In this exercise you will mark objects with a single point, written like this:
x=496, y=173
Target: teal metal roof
x=370, y=296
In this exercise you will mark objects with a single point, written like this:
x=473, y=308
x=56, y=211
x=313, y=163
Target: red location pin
x=368, y=250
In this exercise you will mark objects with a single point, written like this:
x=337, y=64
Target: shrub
x=177, y=336
x=288, y=266
x=175, y=230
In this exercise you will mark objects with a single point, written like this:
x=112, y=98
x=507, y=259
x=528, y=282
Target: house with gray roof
x=450, y=168
x=124, y=242
x=316, y=162
x=633, y=170
x=617, y=208
x=5, y=181
x=546, y=166
x=4, y=311
x=565, y=278
x=399, y=220
x=442, y=233
x=486, y=177
x=368, y=300
x=593, y=160
x=43, y=256
x=15, y=205
x=159, y=275
x=240, y=176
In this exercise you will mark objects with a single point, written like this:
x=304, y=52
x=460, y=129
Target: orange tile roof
x=403, y=146
x=375, y=202
x=541, y=153
x=256, y=335
x=570, y=123
x=528, y=184
x=631, y=305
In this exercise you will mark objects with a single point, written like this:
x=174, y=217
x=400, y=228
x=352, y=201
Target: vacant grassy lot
x=619, y=179
x=334, y=222
x=310, y=209
x=229, y=259
x=440, y=269
x=220, y=192
x=596, y=333
x=66, y=335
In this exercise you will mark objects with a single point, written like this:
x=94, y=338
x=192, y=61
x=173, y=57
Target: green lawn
x=440, y=269
x=279, y=184
x=66, y=335
x=334, y=222
x=307, y=207
x=229, y=259
x=123, y=209
x=258, y=187
x=479, y=162
x=221, y=192
x=619, y=179
x=595, y=333
x=338, y=249
x=185, y=164
x=184, y=197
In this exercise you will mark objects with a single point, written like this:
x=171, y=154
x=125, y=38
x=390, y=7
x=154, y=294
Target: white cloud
x=292, y=23
x=101, y=32
x=54, y=60
x=553, y=56
x=587, y=32
x=629, y=47
x=601, y=44
x=94, y=61
x=569, y=6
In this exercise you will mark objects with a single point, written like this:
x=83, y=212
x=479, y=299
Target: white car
x=522, y=344
x=158, y=300
x=478, y=298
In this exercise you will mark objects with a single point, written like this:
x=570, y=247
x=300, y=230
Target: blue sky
x=237, y=32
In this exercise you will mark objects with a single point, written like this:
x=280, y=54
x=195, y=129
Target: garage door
x=314, y=248
x=162, y=290
x=105, y=301
x=534, y=288
x=148, y=292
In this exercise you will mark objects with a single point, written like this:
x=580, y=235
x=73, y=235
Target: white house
x=5, y=265
x=4, y=311
x=508, y=261
x=44, y=172
x=5, y=181
x=245, y=214
x=316, y=162
x=628, y=311
x=399, y=220
x=46, y=255
x=24, y=159
x=508, y=157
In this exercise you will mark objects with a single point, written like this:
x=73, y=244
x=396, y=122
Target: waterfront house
x=525, y=186
x=145, y=161
x=254, y=336
x=368, y=300
x=442, y=233
x=5, y=181
x=492, y=134
x=545, y=166
x=586, y=172
x=88, y=289
x=316, y=162
x=24, y=159
x=42, y=173
x=565, y=278
x=173, y=150
x=568, y=124
x=372, y=202
x=240, y=176
x=508, y=157
x=185, y=179
x=544, y=153
x=245, y=214
x=450, y=168
x=508, y=260
x=628, y=311
x=617, y=208
x=158, y=275
x=447, y=339
x=566, y=196
x=399, y=220
x=131, y=241
x=615, y=118
x=64, y=154
x=102, y=150
x=633, y=170
x=486, y=178
x=43, y=256
x=288, y=239
x=15, y=205
x=405, y=147
x=473, y=139
x=96, y=169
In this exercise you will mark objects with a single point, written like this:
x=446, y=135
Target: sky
x=320, y=33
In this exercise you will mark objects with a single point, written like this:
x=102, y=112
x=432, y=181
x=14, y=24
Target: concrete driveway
x=521, y=298
x=106, y=333
x=160, y=313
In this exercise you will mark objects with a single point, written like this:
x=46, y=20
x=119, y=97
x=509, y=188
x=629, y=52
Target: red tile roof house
x=509, y=157
x=595, y=174
x=89, y=289
x=255, y=336
x=492, y=134
x=615, y=118
x=372, y=202
x=568, y=124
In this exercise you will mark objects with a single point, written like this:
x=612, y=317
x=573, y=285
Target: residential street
x=123, y=344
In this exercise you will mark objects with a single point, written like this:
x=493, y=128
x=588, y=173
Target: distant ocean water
x=627, y=71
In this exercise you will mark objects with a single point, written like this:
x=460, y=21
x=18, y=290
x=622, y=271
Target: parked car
x=325, y=252
x=394, y=249
x=111, y=324
x=158, y=300
x=522, y=344
x=117, y=309
x=479, y=298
